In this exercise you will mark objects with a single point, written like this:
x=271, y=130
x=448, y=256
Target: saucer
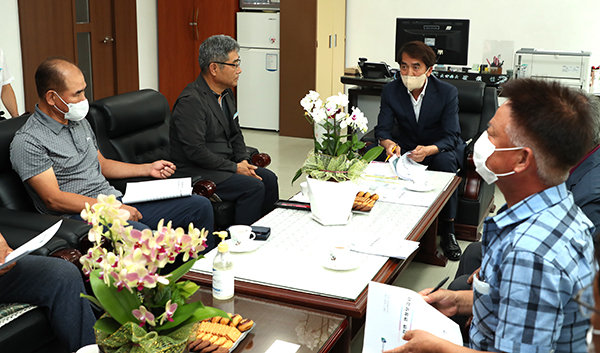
x=419, y=187
x=247, y=246
x=349, y=262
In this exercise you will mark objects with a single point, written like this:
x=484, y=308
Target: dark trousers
x=253, y=198
x=180, y=211
x=445, y=162
x=54, y=285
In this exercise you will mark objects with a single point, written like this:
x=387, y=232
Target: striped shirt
x=536, y=256
x=70, y=150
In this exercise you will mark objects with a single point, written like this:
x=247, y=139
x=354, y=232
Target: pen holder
x=496, y=70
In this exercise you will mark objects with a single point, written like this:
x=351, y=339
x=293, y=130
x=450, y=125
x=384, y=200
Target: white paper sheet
x=392, y=311
x=280, y=346
x=32, y=245
x=386, y=246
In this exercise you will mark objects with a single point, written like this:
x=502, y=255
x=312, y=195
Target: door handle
x=108, y=39
x=194, y=23
x=196, y=34
x=330, y=41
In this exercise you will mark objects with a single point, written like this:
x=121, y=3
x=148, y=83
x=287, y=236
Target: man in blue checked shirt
x=537, y=251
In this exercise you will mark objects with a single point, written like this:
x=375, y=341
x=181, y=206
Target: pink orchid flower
x=144, y=316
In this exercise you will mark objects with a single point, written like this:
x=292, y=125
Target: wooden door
x=100, y=36
x=297, y=74
x=182, y=26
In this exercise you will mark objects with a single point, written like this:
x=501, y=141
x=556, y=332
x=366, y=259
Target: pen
x=393, y=149
x=439, y=285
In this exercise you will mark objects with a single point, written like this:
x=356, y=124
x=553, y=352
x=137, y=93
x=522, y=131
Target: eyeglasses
x=583, y=298
x=236, y=64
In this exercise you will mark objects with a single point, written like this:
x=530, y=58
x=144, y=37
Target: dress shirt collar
x=50, y=123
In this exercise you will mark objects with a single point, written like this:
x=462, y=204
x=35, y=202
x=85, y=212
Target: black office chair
x=477, y=105
x=133, y=127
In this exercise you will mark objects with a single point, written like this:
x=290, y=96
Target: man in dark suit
x=425, y=111
x=205, y=133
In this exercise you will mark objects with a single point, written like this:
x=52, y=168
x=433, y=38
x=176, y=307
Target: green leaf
x=107, y=324
x=344, y=148
x=372, y=154
x=205, y=313
x=187, y=288
x=117, y=304
x=182, y=270
x=90, y=298
x=297, y=175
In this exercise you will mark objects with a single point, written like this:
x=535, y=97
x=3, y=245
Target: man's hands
x=421, y=341
x=450, y=302
x=4, y=251
x=134, y=214
x=248, y=169
x=420, y=152
x=389, y=145
x=162, y=169
x=417, y=155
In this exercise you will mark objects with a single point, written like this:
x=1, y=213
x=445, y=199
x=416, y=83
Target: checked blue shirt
x=536, y=256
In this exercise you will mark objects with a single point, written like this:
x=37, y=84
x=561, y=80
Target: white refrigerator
x=258, y=85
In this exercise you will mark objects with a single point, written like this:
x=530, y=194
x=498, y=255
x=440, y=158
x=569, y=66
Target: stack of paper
x=407, y=169
x=392, y=311
x=157, y=190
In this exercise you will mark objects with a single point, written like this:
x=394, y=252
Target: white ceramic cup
x=339, y=253
x=304, y=188
x=241, y=234
x=92, y=348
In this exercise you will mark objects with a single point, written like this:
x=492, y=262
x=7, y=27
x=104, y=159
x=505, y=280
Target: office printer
x=571, y=68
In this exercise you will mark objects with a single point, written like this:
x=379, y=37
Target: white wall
x=10, y=42
x=541, y=24
x=147, y=43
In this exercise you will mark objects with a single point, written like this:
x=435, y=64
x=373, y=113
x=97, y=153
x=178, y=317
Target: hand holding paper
x=31, y=245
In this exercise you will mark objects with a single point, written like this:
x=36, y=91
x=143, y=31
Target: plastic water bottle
x=223, y=279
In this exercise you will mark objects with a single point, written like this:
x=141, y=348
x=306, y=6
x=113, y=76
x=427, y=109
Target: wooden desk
x=424, y=231
x=315, y=331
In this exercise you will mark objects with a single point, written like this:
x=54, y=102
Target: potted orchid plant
x=334, y=166
x=145, y=308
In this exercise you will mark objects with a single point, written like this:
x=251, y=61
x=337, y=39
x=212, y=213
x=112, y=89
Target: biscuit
x=224, y=321
x=235, y=320
x=215, y=319
x=195, y=343
x=221, y=350
x=203, y=345
x=245, y=325
x=213, y=347
x=234, y=334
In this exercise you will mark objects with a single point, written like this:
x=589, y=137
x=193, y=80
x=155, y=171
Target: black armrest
x=73, y=231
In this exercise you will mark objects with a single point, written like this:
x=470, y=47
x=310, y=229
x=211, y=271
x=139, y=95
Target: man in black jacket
x=205, y=133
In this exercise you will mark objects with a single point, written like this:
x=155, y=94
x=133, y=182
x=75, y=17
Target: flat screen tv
x=448, y=38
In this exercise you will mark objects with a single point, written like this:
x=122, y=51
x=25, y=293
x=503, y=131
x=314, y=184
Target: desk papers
x=31, y=245
x=392, y=311
x=386, y=246
x=154, y=190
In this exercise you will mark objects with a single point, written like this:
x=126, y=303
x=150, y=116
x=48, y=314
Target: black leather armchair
x=477, y=105
x=133, y=127
x=19, y=220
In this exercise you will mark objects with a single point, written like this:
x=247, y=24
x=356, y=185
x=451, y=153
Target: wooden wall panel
x=298, y=31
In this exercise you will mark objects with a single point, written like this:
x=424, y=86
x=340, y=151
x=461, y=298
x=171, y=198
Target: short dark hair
x=558, y=123
x=216, y=48
x=417, y=50
x=48, y=76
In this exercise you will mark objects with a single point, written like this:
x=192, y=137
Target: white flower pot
x=331, y=202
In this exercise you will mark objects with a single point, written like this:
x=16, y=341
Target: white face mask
x=414, y=82
x=77, y=111
x=482, y=150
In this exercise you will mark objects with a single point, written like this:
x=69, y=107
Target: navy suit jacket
x=438, y=120
x=584, y=183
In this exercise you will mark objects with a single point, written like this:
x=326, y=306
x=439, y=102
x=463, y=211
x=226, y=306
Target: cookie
x=245, y=325
x=213, y=347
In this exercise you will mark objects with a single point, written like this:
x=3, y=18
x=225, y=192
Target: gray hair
x=216, y=48
x=547, y=173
